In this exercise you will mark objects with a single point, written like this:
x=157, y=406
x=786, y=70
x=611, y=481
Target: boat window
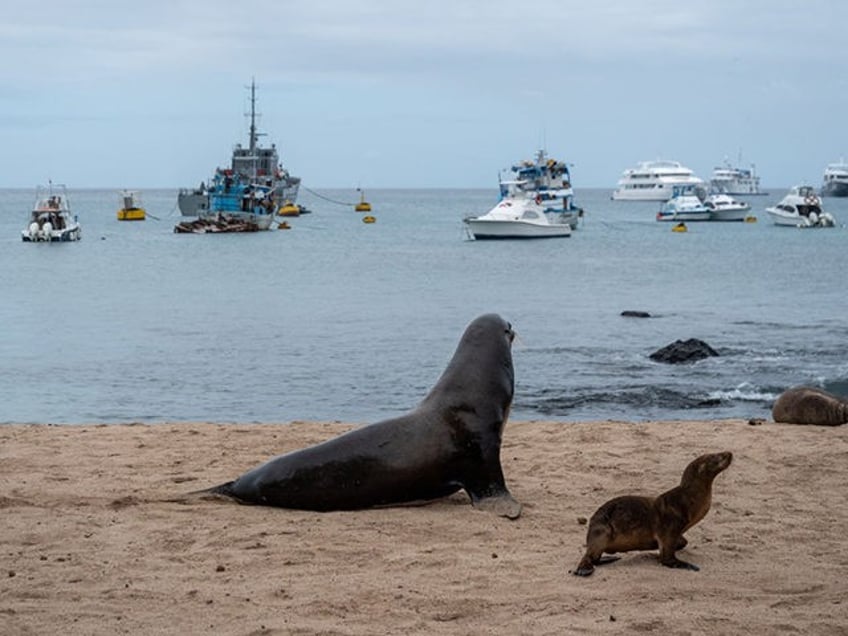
x=530, y=214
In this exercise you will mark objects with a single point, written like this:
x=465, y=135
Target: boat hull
x=485, y=229
x=661, y=192
x=835, y=189
x=63, y=236
x=735, y=214
x=784, y=219
x=683, y=216
x=194, y=203
x=729, y=215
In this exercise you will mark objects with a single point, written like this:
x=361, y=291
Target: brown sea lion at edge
x=808, y=405
x=647, y=523
x=451, y=441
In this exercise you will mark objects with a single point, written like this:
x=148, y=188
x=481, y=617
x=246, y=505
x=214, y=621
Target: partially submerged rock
x=683, y=351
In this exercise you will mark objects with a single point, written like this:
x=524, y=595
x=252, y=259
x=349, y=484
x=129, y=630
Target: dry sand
x=91, y=546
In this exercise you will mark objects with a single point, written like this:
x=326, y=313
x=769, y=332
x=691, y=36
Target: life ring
x=810, y=199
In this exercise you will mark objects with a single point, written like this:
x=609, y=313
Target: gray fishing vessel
x=254, y=164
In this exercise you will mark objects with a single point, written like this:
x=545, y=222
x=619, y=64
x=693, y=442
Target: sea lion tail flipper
x=225, y=489
x=501, y=504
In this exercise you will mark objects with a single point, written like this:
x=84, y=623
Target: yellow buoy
x=368, y=219
x=284, y=226
x=680, y=227
x=131, y=209
x=750, y=219
x=288, y=209
x=131, y=214
x=363, y=205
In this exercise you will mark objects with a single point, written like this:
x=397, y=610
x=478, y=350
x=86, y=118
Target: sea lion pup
x=808, y=405
x=452, y=440
x=646, y=523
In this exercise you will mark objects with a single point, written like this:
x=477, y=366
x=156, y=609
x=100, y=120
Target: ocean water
x=341, y=320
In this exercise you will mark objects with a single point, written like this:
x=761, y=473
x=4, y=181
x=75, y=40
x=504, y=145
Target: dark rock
x=630, y=313
x=683, y=351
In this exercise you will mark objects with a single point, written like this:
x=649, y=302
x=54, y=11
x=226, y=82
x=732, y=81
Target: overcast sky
x=442, y=93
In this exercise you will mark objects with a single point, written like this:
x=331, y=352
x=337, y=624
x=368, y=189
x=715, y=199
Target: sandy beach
x=91, y=543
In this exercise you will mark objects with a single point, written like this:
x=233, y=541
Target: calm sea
x=341, y=320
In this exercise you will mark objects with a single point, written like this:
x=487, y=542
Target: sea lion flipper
x=501, y=504
x=587, y=564
x=674, y=562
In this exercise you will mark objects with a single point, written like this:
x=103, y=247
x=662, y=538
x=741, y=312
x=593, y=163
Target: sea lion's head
x=479, y=378
x=706, y=467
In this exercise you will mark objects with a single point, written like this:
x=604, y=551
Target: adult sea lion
x=452, y=440
x=808, y=405
x=647, y=523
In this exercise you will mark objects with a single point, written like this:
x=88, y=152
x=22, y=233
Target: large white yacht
x=836, y=180
x=653, y=181
x=731, y=179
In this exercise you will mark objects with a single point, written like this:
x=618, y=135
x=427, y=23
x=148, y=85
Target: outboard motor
x=46, y=231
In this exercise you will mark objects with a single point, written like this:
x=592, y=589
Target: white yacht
x=836, y=180
x=735, y=180
x=548, y=181
x=724, y=207
x=51, y=219
x=518, y=217
x=801, y=207
x=653, y=181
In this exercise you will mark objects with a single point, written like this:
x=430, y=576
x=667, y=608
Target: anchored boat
x=51, y=219
x=801, y=207
x=254, y=164
x=537, y=201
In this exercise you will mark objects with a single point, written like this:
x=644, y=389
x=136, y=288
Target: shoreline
x=92, y=545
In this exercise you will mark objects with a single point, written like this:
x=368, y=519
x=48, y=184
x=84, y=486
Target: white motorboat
x=801, y=207
x=736, y=180
x=686, y=204
x=654, y=181
x=518, y=217
x=724, y=207
x=835, y=180
x=546, y=180
x=51, y=219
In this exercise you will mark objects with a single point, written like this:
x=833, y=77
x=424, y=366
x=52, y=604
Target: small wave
x=549, y=404
x=744, y=393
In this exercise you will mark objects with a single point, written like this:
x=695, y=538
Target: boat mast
x=252, y=116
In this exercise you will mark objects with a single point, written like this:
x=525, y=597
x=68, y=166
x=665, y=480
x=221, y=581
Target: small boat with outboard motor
x=51, y=219
x=802, y=208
